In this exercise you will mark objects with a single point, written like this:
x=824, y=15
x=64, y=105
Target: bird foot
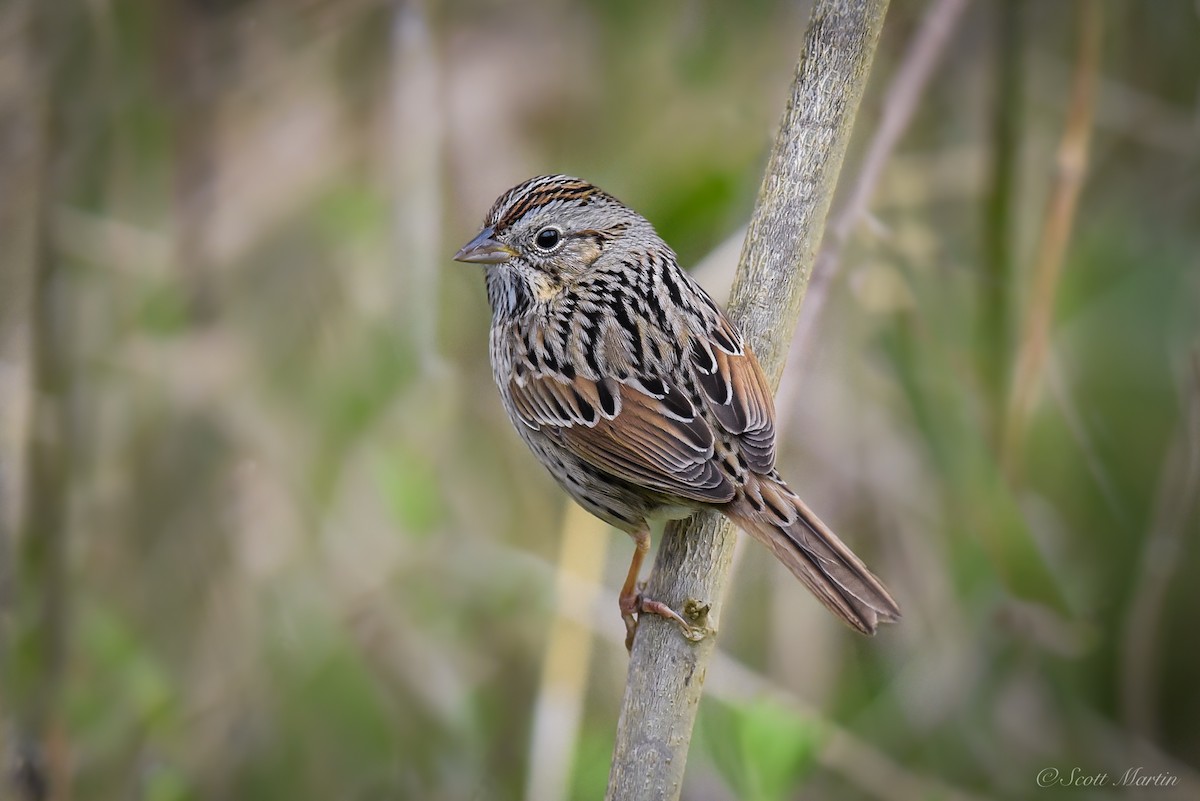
x=637, y=604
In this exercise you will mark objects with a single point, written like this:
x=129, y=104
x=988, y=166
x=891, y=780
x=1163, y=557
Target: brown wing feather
x=662, y=446
x=735, y=389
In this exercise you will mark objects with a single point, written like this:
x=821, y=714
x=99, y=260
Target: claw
x=643, y=605
x=634, y=603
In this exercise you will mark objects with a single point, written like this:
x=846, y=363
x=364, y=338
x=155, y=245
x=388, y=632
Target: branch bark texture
x=666, y=671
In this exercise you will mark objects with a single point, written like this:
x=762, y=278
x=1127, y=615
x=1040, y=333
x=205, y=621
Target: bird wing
x=736, y=391
x=652, y=439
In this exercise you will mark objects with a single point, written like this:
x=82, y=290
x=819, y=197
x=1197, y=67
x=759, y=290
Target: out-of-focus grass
x=306, y=560
x=763, y=751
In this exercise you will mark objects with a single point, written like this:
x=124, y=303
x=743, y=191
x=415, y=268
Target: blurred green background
x=266, y=532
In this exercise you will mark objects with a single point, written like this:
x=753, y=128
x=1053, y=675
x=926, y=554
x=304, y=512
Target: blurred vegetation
x=266, y=533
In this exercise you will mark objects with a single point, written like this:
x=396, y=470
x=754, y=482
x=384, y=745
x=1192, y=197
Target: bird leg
x=633, y=603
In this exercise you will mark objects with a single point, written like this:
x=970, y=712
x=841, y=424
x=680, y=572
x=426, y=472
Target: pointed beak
x=485, y=250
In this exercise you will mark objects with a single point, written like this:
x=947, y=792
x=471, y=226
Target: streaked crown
x=540, y=193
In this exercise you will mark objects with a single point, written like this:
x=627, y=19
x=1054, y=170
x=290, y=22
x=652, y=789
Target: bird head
x=548, y=232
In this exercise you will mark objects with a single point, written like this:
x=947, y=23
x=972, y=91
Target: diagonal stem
x=1060, y=217
x=666, y=671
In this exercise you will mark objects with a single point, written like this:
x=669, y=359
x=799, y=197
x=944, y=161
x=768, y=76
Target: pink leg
x=631, y=600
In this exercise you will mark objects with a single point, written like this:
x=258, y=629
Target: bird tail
x=776, y=517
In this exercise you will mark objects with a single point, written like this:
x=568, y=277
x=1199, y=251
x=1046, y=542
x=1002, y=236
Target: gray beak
x=484, y=250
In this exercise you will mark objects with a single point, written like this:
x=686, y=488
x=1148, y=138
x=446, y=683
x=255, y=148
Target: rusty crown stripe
x=539, y=192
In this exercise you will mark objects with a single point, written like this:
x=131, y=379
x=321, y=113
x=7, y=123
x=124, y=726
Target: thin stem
x=558, y=713
x=23, y=164
x=899, y=105
x=1060, y=216
x=416, y=135
x=996, y=281
x=1179, y=488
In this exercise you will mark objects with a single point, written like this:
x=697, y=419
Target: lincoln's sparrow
x=637, y=394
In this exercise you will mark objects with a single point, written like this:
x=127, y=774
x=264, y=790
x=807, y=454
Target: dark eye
x=548, y=238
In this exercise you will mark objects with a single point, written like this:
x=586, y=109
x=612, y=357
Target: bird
x=633, y=388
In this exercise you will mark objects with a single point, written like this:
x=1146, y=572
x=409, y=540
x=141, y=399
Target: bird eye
x=548, y=238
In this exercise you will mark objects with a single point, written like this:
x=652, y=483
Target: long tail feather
x=775, y=516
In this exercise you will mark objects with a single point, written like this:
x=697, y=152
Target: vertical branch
x=996, y=283
x=1060, y=216
x=21, y=159
x=666, y=672
x=66, y=168
x=22, y=162
x=36, y=615
x=559, y=710
x=192, y=84
x=42, y=586
x=43, y=559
